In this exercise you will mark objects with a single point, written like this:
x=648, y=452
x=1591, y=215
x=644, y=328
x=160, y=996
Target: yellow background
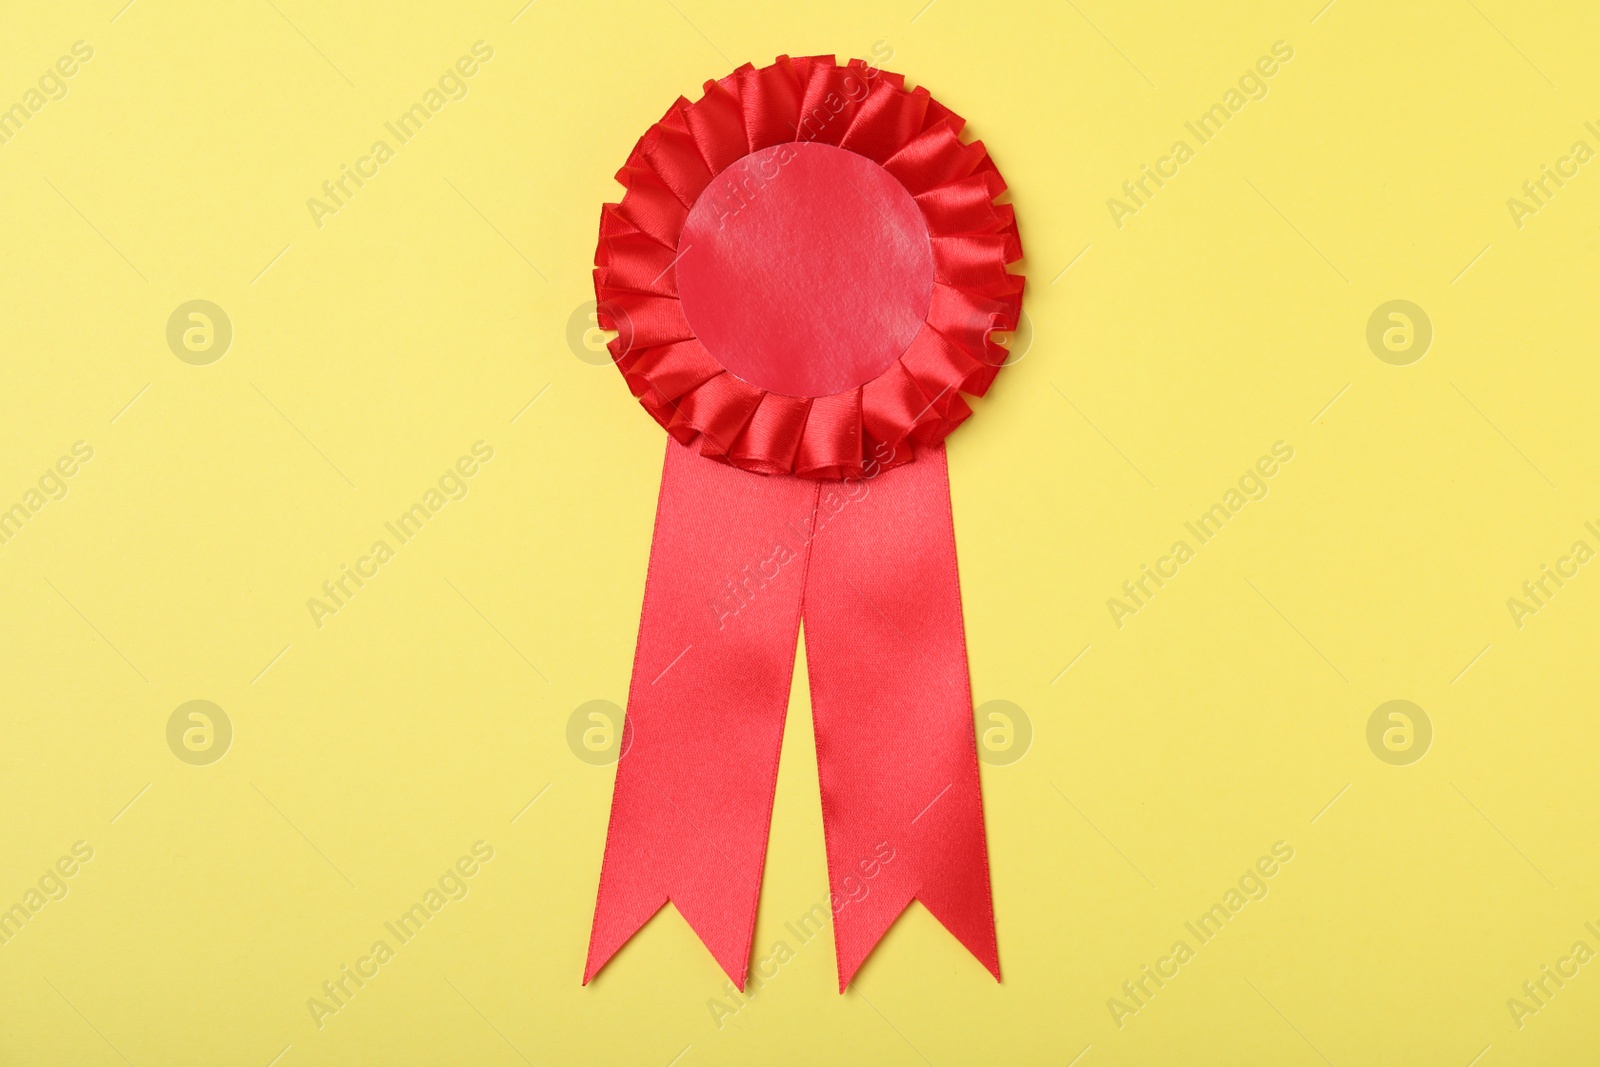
x=1230, y=713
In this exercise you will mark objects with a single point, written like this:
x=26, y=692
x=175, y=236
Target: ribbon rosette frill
x=806, y=272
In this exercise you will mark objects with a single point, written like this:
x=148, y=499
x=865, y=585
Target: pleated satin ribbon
x=806, y=273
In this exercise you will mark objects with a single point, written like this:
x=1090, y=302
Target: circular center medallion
x=805, y=269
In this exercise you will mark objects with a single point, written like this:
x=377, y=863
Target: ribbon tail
x=692, y=806
x=892, y=705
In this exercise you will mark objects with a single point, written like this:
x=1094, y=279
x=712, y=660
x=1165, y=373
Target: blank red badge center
x=805, y=269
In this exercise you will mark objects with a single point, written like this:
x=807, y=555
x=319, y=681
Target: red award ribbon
x=806, y=272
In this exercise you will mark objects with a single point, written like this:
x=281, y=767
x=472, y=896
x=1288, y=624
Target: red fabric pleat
x=717, y=125
x=887, y=119
x=636, y=263
x=773, y=433
x=736, y=559
x=651, y=206
x=673, y=369
x=676, y=158
x=771, y=97
x=652, y=320
x=829, y=105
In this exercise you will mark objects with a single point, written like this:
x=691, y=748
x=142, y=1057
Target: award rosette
x=805, y=274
